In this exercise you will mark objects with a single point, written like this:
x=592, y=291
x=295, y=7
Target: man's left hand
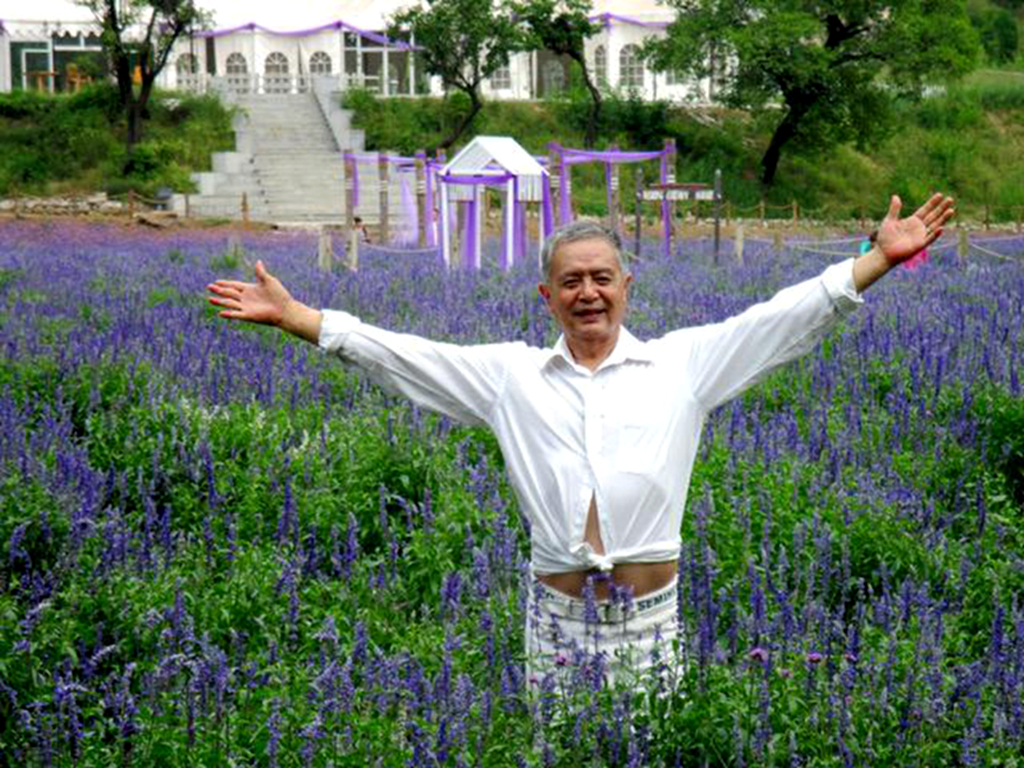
x=899, y=239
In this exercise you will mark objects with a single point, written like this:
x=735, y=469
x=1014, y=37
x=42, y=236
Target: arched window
x=275, y=71
x=236, y=65
x=501, y=79
x=553, y=76
x=631, y=67
x=237, y=70
x=186, y=65
x=320, y=64
x=601, y=65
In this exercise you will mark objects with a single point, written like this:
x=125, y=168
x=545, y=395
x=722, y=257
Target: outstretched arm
x=899, y=239
x=267, y=302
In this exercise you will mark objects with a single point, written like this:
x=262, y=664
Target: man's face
x=587, y=291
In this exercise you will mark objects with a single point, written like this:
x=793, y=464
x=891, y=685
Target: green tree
x=142, y=34
x=462, y=42
x=562, y=27
x=833, y=67
x=997, y=29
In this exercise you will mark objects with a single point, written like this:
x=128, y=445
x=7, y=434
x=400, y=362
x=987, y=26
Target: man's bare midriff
x=642, y=577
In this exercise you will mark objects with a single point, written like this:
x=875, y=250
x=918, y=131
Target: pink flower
x=917, y=260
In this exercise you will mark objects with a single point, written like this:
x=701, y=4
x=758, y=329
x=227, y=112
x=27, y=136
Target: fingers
x=895, y=204
x=261, y=272
x=220, y=286
x=929, y=206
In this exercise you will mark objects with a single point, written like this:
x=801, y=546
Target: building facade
x=342, y=43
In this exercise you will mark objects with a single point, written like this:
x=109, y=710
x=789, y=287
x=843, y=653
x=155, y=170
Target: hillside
x=967, y=140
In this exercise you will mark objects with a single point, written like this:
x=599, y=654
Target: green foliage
x=828, y=66
x=1002, y=418
x=997, y=30
x=462, y=42
x=75, y=142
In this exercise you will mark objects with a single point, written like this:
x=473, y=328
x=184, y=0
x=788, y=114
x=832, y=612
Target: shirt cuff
x=838, y=281
x=335, y=327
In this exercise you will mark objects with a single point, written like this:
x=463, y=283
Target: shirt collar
x=627, y=348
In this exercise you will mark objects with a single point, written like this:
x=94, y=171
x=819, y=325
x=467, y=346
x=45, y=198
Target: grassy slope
x=65, y=144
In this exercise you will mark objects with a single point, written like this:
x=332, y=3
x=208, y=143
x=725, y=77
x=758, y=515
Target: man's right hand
x=267, y=302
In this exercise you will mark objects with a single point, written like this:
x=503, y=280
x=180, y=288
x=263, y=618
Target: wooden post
x=245, y=209
x=131, y=202
x=637, y=206
x=777, y=241
x=988, y=216
x=325, y=251
x=426, y=217
x=738, y=243
x=236, y=252
x=385, y=212
x=188, y=206
x=718, y=211
x=764, y=222
x=556, y=184
x=352, y=248
x=612, y=169
x=667, y=175
x=963, y=245
x=796, y=212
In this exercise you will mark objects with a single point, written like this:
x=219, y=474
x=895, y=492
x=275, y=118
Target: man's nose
x=589, y=292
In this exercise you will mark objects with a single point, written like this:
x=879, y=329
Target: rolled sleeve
x=838, y=282
x=335, y=328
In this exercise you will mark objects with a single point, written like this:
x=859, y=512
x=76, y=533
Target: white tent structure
x=501, y=158
x=284, y=47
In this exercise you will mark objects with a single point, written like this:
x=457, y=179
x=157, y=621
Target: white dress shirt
x=625, y=434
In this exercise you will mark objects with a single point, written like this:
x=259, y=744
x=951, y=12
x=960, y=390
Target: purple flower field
x=218, y=546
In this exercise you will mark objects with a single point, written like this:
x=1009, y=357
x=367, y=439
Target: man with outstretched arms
x=599, y=432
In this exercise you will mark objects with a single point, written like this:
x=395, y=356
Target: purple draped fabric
x=576, y=156
x=607, y=18
x=520, y=239
x=335, y=25
x=569, y=157
x=433, y=220
x=469, y=255
x=477, y=179
x=409, y=236
x=547, y=207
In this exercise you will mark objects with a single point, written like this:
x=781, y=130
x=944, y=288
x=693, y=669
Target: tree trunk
x=475, y=106
x=134, y=126
x=595, y=97
x=785, y=131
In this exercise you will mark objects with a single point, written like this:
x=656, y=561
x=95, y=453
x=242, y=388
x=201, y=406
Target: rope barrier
x=399, y=250
x=987, y=252
x=1006, y=239
x=821, y=251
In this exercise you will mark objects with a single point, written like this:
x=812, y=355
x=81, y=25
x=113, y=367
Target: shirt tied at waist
x=591, y=559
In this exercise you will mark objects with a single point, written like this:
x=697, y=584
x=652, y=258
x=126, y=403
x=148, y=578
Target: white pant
x=614, y=645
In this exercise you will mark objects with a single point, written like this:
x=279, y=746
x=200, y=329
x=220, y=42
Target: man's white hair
x=572, y=232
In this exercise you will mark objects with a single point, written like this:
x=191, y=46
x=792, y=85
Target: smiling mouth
x=585, y=313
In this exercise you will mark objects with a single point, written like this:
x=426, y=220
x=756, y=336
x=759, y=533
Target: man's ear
x=544, y=291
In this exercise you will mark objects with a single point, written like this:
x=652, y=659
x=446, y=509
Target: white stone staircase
x=287, y=163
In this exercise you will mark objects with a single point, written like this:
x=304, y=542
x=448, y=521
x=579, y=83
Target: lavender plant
x=217, y=546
